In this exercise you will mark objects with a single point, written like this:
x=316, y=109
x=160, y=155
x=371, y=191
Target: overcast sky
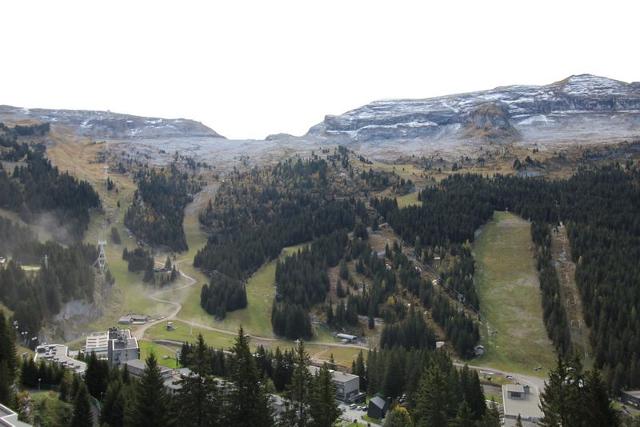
x=248, y=69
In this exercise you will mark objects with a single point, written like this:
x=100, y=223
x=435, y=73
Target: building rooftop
x=347, y=336
x=632, y=393
x=124, y=343
x=136, y=365
x=514, y=388
x=343, y=377
x=337, y=376
x=9, y=418
x=527, y=407
x=378, y=401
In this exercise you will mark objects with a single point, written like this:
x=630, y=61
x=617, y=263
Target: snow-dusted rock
x=501, y=112
x=105, y=124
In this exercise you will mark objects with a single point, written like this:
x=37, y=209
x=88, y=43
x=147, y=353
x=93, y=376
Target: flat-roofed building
x=347, y=385
x=523, y=400
x=136, y=368
x=171, y=378
x=122, y=347
x=9, y=418
x=133, y=319
x=98, y=344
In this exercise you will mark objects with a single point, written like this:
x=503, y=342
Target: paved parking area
x=349, y=414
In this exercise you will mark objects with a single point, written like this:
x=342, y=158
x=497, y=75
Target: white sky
x=248, y=69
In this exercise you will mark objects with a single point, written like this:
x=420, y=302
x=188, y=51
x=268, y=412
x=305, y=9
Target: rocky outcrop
x=490, y=121
x=502, y=112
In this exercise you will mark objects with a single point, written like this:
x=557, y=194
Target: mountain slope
x=571, y=108
x=105, y=124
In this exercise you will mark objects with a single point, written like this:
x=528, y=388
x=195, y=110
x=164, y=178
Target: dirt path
x=561, y=255
x=139, y=332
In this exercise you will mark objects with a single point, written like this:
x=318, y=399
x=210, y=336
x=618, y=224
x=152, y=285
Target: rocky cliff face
x=504, y=112
x=105, y=124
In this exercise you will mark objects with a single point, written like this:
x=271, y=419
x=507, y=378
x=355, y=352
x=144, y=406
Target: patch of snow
x=540, y=118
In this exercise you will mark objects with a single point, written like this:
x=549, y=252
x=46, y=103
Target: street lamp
x=39, y=380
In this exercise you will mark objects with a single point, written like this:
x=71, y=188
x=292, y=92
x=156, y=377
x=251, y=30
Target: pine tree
x=323, y=408
x=552, y=399
x=149, y=276
x=65, y=388
x=82, y=416
x=472, y=392
x=464, y=417
x=597, y=404
x=113, y=405
x=329, y=314
x=360, y=371
x=398, y=417
x=432, y=400
x=247, y=402
x=299, y=392
x=96, y=376
x=150, y=406
x=491, y=416
x=394, y=379
x=198, y=401
x=8, y=361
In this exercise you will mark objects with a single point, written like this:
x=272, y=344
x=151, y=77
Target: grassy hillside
x=513, y=332
x=225, y=339
x=256, y=318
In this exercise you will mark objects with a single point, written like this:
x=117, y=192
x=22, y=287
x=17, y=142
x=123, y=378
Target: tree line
x=302, y=281
x=601, y=209
x=36, y=187
x=553, y=312
x=223, y=294
x=157, y=211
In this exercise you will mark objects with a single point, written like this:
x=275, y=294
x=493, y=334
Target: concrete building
x=133, y=319
x=8, y=418
x=523, y=400
x=115, y=345
x=347, y=385
x=517, y=391
x=631, y=397
x=97, y=343
x=170, y=377
x=59, y=354
x=136, y=368
x=122, y=347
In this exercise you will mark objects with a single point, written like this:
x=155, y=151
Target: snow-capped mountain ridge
x=105, y=124
x=513, y=105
